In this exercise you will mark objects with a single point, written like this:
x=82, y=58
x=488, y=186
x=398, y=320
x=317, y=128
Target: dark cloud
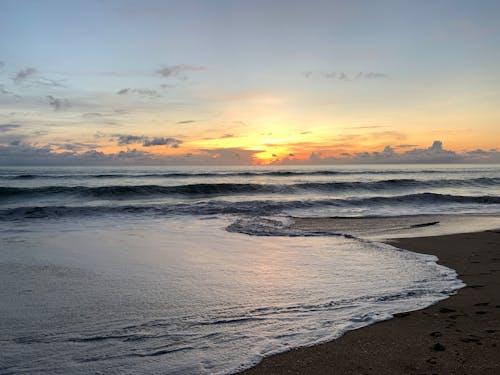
x=58, y=104
x=433, y=154
x=129, y=139
x=21, y=153
x=185, y=122
x=18, y=152
x=162, y=141
x=178, y=71
x=24, y=74
x=8, y=127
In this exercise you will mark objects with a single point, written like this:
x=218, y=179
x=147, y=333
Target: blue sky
x=280, y=77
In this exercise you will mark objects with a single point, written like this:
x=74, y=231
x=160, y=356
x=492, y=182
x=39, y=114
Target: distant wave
x=84, y=176
x=250, y=208
x=220, y=189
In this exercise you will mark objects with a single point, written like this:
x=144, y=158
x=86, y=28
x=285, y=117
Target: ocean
x=203, y=270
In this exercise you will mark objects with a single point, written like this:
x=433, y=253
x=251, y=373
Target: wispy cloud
x=4, y=91
x=33, y=77
x=142, y=92
x=76, y=146
x=185, y=122
x=345, y=76
x=405, y=146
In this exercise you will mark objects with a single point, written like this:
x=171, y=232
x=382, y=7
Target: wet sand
x=460, y=335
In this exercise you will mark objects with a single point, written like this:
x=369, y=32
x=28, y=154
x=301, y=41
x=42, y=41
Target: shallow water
x=186, y=296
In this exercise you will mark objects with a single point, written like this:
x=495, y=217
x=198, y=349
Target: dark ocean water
x=319, y=191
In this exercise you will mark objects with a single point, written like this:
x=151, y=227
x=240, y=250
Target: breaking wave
x=218, y=189
x=250, y=208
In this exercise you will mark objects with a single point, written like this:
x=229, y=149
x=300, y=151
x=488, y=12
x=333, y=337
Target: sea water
x=187, y=270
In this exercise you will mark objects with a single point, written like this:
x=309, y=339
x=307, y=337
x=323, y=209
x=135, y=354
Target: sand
x=460, y=335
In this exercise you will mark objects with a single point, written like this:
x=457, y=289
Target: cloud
x=343, y=76
x=8, y=127
x=161, y=141
x=128, y=139
x=2, y=66
x=22, y=153
x=142, y=92
x=432, y=155
x=17, y=152
x=32, y=76
x=366, y=127
x=371, y=75
x=228, y=156
x=185, y=122
x=178, y=71
x=77, y=146
x=4, y=91
x=58, y=104
x=93, y=115
x=405, y=146
x=24, y=74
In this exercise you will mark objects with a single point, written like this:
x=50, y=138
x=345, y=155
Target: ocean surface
x=163, y=270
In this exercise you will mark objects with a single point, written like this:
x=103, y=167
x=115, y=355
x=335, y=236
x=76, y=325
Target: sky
x=249, y=82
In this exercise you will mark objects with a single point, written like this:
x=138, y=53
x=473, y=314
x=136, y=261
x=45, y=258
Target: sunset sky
x=241, y=82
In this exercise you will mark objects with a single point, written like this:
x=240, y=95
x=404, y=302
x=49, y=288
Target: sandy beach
x=460, y=335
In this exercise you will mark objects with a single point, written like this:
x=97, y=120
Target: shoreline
x=458, y=335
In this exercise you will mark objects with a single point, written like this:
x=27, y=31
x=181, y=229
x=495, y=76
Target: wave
x=217, y=189
x=249, y=208
x=29, y=176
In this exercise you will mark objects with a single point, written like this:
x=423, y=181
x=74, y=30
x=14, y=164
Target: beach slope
x=460, y=335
